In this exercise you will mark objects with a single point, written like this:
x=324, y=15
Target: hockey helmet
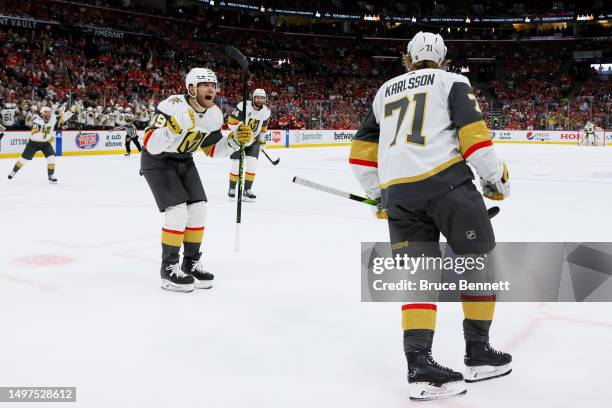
x=427, y=47
x=259, y=92
x=199, y=75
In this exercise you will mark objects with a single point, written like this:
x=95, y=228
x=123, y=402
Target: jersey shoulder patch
x=172, y=104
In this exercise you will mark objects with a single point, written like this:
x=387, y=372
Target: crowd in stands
x=312, y=82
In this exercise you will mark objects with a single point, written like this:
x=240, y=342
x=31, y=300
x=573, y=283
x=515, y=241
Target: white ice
x=80, y=303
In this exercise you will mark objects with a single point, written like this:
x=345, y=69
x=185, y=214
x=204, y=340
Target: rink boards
x=96, y=142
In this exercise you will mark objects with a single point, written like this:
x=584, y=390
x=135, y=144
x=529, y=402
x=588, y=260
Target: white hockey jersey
x=43, y=131
x=8, y=117
x=257, y=119
x=206, y=134
x=422, y=128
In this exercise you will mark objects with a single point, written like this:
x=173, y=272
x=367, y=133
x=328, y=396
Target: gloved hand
x=242, y=135
x=498, y=190
x=380, y=212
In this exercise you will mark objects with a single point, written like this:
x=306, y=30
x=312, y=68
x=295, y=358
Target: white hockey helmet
x=259, y=92
x=427, y=47
x=199, y=75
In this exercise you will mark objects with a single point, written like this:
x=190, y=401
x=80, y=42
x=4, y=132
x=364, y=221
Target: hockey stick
x=237, y=56
x=493, y=211
x=274, y=162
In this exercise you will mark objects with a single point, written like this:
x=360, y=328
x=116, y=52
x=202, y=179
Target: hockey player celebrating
x=182, y=125
x=411, y=153
x=40, y=140
x=257, y=116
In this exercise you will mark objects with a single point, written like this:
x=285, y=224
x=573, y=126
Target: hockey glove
x=498, y=190
x=378, y=211
x=243, y=135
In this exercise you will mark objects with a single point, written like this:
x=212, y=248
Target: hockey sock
x=194, y=232
x=173, y=232
x=233, y=175
x=419, y=324
x=18, y=165
x=137, y=143
x=250, y=168
x=478, y=312
x=248, y=182
x=50, y=165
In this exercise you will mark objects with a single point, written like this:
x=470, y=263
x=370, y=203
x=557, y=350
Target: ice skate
x=193, y=267
x=173, y=278
x=248, y=195
x=485, y=363
x=428, y=380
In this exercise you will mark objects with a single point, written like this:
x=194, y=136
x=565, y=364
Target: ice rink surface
x=80, y=303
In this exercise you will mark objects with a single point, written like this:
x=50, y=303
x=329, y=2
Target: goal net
x=596, y=139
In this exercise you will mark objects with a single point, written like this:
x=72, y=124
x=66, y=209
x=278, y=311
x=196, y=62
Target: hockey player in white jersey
x=9, y=116
x=589, y=136
x=42, y=133
x=257, y=117
x=411, y=153
x=182, y=125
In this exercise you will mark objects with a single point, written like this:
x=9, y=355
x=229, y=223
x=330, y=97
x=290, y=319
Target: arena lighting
x=414, y=20
x=317, y=14
x=371, y=18
x=262, y=9
x=586, y=17
x=527, y=19
x=467, y=20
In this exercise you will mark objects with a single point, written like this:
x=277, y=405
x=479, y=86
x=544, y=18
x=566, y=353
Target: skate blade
x=248, y=200
x=52, y=182
x=423, y=391
x=482, y=373
x=203, y=284
x=166, y=284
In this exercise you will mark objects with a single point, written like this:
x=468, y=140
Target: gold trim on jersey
x=232, y=121
x=367, y=151
x=423, y=176
x=472, y=134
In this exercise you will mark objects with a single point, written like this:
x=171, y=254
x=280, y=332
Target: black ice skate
x=11, y=175
x=484, y=362
x=52, y=179
x=127, y=155
x=428, y=380
x=193, y=266
x=248, y=195
x=173, y=278
x=231, y=193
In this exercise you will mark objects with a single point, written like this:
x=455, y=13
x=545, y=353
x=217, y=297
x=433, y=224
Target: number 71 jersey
x=422, y=127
